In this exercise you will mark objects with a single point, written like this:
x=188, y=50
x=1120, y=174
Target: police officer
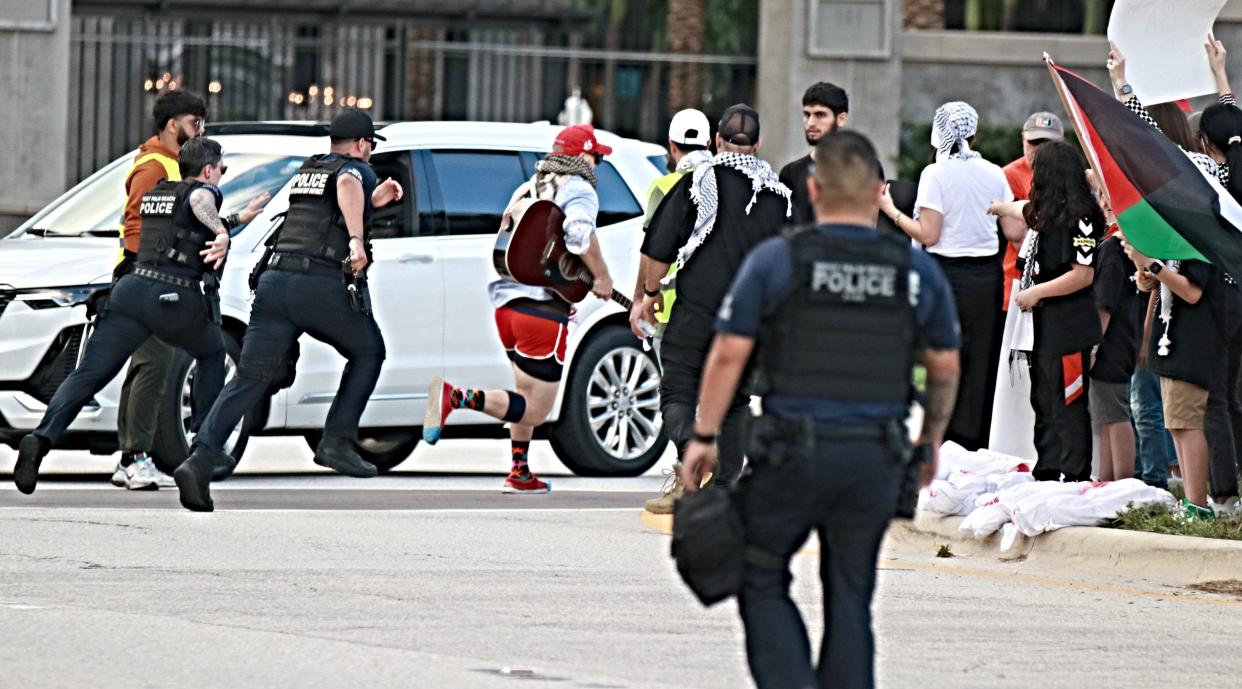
x=303, y=289
x=183, y=239
x=836, y=316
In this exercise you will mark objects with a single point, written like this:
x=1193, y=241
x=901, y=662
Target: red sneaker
x=524, y=484
x=439, y=406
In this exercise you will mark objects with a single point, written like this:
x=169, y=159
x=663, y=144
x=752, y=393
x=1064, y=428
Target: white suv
x=428, y=285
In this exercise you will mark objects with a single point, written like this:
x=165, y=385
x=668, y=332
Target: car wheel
x=172, y=433
x=385, y=448
x=610, y=421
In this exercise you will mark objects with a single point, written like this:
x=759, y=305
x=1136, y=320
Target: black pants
x=679, y=401
x=137, y=309
x=847, y=494
x=1222, y=424
x=286, y=305
x=977, y=290
x=1062, y=431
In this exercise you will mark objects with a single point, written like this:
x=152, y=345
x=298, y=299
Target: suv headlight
x=53, y=297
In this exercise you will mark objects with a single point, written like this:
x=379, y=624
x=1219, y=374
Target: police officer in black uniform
x=836, y=316
x=170, y=293
x=304, y=288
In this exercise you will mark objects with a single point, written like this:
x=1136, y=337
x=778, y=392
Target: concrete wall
x=786, y=69
x=34, y=85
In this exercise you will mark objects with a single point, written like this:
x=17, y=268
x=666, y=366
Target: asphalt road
x=439, y=581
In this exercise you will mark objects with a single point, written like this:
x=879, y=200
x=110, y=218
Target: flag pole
x=1084, y=141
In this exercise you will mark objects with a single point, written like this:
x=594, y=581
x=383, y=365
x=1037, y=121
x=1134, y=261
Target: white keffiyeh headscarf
x=953, y=124
x=704, y=195
x=693, y=159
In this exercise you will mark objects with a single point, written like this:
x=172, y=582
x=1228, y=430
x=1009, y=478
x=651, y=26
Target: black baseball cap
x=352, y=123
x=739, y=125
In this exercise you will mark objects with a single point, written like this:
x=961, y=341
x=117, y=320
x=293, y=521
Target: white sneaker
x=161, y=479
x=118, y=476
x=1229, y=508
x=142, y=475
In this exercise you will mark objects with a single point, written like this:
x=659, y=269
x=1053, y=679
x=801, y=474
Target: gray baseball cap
x=1043, y=125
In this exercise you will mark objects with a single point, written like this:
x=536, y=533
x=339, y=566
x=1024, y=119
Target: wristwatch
x=1155, y=267
x=1126, y=89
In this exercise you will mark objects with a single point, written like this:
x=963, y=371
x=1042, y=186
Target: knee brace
x=517, y=408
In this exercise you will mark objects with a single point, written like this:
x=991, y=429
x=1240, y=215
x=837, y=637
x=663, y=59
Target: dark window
x=616, y=203
x=476, y=186
x=395, y=219
x=660, y=163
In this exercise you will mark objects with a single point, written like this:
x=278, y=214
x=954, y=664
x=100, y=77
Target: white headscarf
x=953, y=124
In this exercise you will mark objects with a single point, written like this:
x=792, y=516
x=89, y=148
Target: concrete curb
x=1172, y=560
x=1134, y=555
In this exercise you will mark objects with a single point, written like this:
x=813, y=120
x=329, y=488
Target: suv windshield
x=96, y=208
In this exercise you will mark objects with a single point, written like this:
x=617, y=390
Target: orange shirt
x=1018, y=173
x=142, y=179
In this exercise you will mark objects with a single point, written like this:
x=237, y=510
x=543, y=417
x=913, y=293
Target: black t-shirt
x=794, y=175
x=1116, y=293
x=1069, y=323
x=706, y=277
x=1195, y=332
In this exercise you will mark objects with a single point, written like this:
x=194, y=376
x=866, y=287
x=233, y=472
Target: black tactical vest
x=845, y=328
x=171, y=234
x=314, y=225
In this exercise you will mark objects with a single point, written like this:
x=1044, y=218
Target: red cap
x=577, y=140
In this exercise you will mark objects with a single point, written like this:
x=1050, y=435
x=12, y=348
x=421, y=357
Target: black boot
x=338, y=454
x=193, y=477
x=29, y=456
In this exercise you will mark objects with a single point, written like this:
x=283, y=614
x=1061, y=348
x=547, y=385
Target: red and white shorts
x=534, y=339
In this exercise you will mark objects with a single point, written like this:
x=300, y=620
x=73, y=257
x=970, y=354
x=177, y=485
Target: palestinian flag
x=1167, y=207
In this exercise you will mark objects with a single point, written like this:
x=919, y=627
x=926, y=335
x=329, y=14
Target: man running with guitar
x=532, y=320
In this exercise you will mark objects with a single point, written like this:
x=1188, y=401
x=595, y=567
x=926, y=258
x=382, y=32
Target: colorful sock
x=521, y=448
x=466, y=398
x=141, y=457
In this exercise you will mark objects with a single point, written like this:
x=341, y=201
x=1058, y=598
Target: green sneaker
x=1193, y=513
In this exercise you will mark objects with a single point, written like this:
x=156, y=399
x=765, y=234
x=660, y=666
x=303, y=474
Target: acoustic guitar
x=530, y=249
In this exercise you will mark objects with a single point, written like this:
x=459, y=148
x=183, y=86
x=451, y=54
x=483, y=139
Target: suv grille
x=57, y=364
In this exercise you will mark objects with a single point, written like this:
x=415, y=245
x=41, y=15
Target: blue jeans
x=1155, y=445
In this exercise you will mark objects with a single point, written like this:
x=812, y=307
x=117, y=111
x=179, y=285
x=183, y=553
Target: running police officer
x=836, y=316
x=169, y=294
x=318, y=251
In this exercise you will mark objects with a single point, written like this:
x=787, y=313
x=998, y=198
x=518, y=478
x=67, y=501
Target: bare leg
x=1121, y=439
x=1192, y=456
x=1106, y=456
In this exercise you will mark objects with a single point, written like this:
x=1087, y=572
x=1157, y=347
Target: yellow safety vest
x=172, y=171
x=655, y=194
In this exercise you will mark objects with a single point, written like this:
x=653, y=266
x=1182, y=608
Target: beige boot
x=673, y=489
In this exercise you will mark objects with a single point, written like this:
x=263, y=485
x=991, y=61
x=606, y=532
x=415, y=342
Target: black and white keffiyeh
x=693, y=160
x=954, y=123
x=706, y=200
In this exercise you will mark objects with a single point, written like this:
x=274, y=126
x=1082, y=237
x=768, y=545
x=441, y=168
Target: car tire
x=383, y=447
x=610, y=418
x=172, y=437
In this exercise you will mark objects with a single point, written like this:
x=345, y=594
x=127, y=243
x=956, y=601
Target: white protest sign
x=1162, y=41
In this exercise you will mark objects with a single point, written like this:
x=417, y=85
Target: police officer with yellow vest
x=304, y=286
x=163, y=295
x=836, y=317
x=178, y=116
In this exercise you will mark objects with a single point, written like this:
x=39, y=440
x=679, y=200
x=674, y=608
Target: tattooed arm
x=943, y=370
x=203, y=203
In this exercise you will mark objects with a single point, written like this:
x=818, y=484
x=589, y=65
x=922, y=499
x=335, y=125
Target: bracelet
x=352, y=238
x=704, y=438
x=233, y=220
x=651, y=292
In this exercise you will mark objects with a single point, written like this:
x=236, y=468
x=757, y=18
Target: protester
x=1066, y=224
x=953, y=224
x=706, y=226
x=825, y=109
x=1039, y=128
x=1210, y=300
x=1120, y=310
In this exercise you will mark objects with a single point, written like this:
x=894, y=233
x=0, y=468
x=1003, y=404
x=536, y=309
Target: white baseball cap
x=689, y=126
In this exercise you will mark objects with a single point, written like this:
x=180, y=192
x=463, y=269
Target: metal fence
x=264, y=70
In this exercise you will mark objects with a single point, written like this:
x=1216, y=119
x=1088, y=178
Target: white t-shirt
x=962, y=190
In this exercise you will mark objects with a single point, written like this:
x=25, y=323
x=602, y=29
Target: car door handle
x=416, y=258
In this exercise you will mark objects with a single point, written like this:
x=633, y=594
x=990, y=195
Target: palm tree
x=686, y=28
